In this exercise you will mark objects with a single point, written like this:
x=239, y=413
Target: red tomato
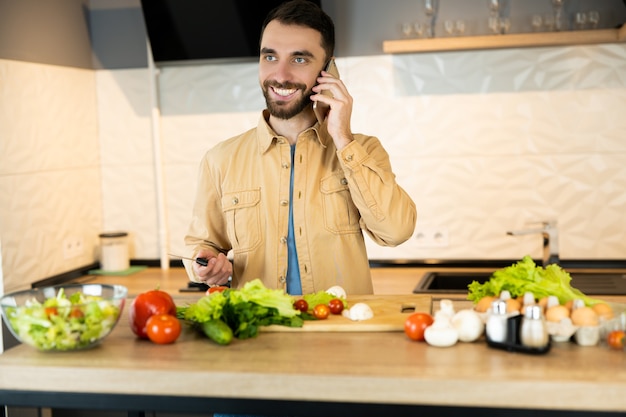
x=217, y=288
x=163, y=328
x=301, y=305
x=51, y=311
x=77, y=313
x=415, y=325
x=321, y=311
x=615, y=339
x=148, y=304
x=335, y=305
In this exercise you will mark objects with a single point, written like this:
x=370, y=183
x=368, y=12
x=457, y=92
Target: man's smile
x=286, y=100
x=284, y=92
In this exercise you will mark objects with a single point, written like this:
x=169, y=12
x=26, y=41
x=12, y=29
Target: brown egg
x=584, y=316
x=557, y=313
x=513, y=305
x=603, y=310
x=569, y=304
x=543, y=302
x=484, y=304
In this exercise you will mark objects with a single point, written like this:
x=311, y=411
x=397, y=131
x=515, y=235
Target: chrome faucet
x=550, y=235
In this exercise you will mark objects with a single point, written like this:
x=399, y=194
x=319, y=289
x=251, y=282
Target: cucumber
x=218, y=331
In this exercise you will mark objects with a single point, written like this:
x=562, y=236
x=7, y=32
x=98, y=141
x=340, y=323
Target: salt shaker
x=497, y=322
x=533, y=331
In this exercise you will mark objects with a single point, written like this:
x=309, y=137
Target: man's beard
x=278, y=108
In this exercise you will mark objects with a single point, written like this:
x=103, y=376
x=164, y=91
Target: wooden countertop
x=386, y=280
x=372, y=368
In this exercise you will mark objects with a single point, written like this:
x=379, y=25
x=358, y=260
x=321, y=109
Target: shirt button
x=284, y=202
x=235, y=200
x=281, y=141
x=283, y=239
x=344, y=181
x=282, y=280
x=285, y=165
x=349, y=158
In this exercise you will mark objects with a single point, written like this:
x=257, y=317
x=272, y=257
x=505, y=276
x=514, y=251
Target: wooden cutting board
x=390, y=313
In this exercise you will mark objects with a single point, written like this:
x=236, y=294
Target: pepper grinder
x=534, y=332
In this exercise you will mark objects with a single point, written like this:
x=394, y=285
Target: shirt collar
x=266, y=135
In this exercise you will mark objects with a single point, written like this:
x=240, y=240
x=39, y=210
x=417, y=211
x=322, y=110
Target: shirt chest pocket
x=243, y=219
x=340, y=213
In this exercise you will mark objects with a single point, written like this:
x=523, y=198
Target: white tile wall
x=484, y=142
x=128, y=176
x=50, y=181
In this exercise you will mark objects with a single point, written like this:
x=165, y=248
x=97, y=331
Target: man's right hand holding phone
x=340, y=103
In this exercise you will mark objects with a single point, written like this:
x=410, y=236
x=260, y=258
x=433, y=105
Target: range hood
x=184, y=30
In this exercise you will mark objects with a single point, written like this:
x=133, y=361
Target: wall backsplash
x=484, y=142
x=50, y=177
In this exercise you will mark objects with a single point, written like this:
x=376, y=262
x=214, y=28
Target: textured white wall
x=50, y=181
x=484, y=141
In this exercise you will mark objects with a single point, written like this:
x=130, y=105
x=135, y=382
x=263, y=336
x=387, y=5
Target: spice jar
x=533, y=331
x=496, y=322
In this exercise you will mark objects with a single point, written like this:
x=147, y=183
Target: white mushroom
x=468, y=324
x=441, y=333
x=358, y=312
x=337, y=291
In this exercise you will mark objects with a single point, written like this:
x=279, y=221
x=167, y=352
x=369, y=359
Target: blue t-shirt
x=294, y=286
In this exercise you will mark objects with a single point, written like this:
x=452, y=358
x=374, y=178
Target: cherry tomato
x=321, y=311
x=77, y=313
x=415, y=325
x=217, y=288
x=615, y=339
x=301, y=305
x=335, y=305
x=148, y=304
x=51, y=311
x=163, y=328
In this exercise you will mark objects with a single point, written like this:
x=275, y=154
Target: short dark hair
x=308, y=14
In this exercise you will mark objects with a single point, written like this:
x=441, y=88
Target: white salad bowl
x=63, y=318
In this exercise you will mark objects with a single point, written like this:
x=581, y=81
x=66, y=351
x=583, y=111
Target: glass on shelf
x=431, y=8
x=580, y=20
x=505, y=25
x=594, y=18
x=454, y=28
x=407, y=29
x=558, y=14
x=548, y=23
x=498, y=22
x=459, y=26
x=536, y=22
x=419, y=29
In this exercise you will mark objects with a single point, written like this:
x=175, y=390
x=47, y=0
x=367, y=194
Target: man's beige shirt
x=242, y=203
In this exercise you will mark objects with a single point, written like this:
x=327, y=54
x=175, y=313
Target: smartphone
x=321, y=109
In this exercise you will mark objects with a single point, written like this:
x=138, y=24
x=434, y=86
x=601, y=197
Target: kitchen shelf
x=515, y=40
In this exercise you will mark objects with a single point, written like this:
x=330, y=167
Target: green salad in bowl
x=64, y=318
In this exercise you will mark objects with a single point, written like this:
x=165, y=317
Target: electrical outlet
x=431, y=237
x=73, y=247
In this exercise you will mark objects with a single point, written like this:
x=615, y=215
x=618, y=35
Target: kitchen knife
x=200, y=261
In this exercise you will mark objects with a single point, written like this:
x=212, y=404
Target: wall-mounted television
x=183, y=30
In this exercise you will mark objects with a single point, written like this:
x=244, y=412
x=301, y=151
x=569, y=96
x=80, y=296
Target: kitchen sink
x=590, y=283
